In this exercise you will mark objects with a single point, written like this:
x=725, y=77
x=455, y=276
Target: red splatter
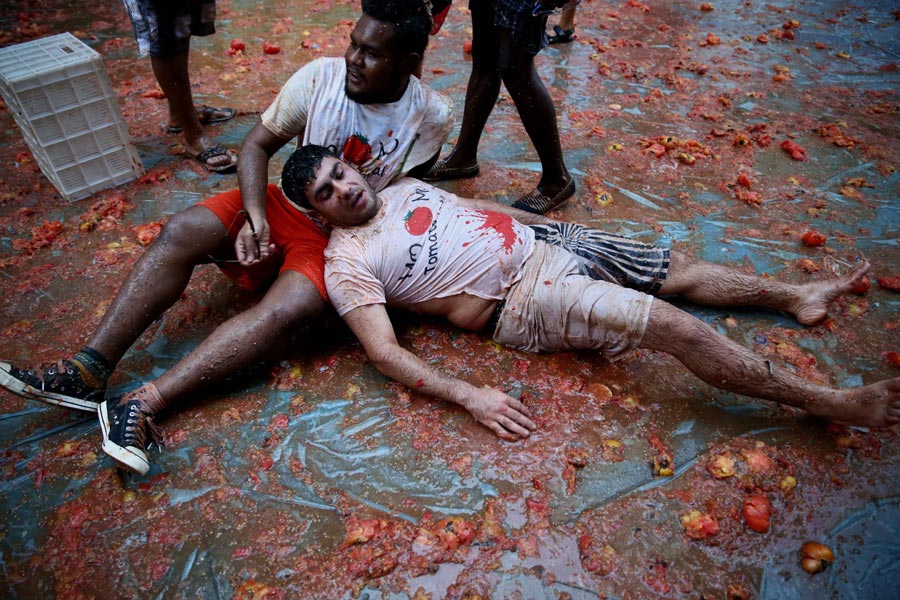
x=420, y=383
x=893, y=358
x=148, y=232
x=280, y=421
x=241, y=552
x=502, y=224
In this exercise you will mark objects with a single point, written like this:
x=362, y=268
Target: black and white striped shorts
x=607, y=257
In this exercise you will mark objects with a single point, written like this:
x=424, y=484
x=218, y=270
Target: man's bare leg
x=157, y=280
x=292, y=302
x=717, y=285
x=171, y=73
x=726, y=365
x=127, y=423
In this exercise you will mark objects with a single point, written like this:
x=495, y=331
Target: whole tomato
x=814, y=238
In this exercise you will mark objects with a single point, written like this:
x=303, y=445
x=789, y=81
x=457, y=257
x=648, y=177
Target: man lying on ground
x=367, y=106
x=415, y=247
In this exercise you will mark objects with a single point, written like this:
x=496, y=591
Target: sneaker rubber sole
x=129, y=458
x=26, y=391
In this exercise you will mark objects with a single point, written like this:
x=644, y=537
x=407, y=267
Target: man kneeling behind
x=416, y=247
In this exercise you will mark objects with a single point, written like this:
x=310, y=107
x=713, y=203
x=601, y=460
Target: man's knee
x=192, y=227
x=292, y=300
x=670, y=329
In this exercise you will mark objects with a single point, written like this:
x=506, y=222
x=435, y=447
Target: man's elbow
x=385, y=358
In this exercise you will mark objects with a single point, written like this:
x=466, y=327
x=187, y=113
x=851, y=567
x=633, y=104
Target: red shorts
x=299, y=244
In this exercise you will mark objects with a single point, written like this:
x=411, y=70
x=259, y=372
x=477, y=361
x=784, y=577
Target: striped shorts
x=164, y=28
x=607, y=257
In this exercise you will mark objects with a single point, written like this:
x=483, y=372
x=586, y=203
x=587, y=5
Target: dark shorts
x=164, y=28
x=514, y=16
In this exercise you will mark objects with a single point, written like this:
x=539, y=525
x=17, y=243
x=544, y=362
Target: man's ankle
x=94, y=367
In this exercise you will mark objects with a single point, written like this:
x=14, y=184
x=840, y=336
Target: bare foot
x=876, y=405
x=812, y=306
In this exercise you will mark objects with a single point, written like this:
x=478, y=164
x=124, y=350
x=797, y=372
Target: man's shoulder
x=434, y=101
x=322, y=66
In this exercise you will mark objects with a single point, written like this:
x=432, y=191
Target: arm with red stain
x=502, y=414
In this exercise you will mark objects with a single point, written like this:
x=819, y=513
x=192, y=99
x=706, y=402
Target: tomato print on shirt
x=418, y=220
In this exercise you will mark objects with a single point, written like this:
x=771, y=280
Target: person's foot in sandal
x=213, y=156
x=207, y=115
x=539, y=203
x=442, y=171
x=563, y=36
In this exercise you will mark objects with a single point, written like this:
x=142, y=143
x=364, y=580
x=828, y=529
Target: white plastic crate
x=61, y=98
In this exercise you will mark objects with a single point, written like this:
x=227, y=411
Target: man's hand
x=252, y=244
x=502, y=414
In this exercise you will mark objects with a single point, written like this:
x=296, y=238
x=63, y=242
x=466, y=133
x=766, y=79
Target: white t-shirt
x=423, y=245
x=383, y=141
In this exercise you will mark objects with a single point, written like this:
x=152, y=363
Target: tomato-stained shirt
x=382, y=141
x=421, y=245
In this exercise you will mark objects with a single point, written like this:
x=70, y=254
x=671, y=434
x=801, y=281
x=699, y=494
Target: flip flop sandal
x=439, y=171
x=206, y=116
x=212, y=152
x=538, y=203
x=563, y=36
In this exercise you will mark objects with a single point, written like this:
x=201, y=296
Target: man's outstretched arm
x=502, y=414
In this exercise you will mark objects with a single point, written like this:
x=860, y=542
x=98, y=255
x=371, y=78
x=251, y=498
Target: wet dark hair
x=300, y=169
x=411, y=19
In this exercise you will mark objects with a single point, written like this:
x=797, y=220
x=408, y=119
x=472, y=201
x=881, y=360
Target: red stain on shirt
x=419, y=383
x=502, y=224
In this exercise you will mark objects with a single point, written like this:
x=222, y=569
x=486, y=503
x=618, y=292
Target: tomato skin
x=757, y=512
x=889, y=283
x=237, y=45
x=796, y=151
x=270, y=48
x=814, y=238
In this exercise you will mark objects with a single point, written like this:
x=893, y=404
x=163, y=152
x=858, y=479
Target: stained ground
x=314, y=477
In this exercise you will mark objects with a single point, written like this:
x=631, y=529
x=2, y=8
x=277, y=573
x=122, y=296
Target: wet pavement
x=314, y=477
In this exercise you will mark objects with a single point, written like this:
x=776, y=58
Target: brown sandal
x=207, y=116
x=214, y=151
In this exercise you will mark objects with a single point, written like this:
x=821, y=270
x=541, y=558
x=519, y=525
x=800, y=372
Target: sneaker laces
x=135, y=430
x=47, y=370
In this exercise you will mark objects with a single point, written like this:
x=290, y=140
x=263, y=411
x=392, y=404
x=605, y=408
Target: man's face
x=341, y=195
x=375, y=73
